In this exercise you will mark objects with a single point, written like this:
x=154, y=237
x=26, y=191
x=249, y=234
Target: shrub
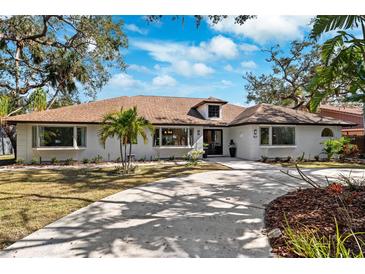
x=98, y=159
x=350, y=150
x=172, y=158
x=19, y=161
x=86, y=161
x=277, y=159
x=34, y=161
x=69, y=161
x=335, y=188
x=309, y=244
x=54, y=161
x=264, y=158
x=334, y=147
x=194, y=156
x=316, y=157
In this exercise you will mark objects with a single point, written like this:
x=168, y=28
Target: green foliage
x=34, y=161
x=98, y=159
x=38, y=100
x=85, y=161
x=19, y=161
x=4, y=105
x=288, y=82
x=69, y=161
x=126, y=125
x=194, y=156
x=309, y=244
x=54, y=161
x=63, y=52
x=335, y=146
x=342, y=74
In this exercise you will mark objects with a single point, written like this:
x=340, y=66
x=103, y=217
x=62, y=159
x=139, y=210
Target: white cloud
x=248, y=47
x=164, y=80
x=124, y=80
x=188, y=69
x=266, y=28
x=202, y=69
x=186, y=59
x=226, y=83
x=135, y=28
x=222, y=47
x=228, y=68
x=139, y=68
x=247, y=65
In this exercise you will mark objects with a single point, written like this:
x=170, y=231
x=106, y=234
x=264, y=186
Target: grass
x=324, y=165
x=31, y=199
x=7, y=157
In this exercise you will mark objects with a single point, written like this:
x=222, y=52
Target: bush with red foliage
x=335, y=188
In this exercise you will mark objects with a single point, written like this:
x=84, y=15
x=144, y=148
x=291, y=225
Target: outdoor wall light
x=255, y=133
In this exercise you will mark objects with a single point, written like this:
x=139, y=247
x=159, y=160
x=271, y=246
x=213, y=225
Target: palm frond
x=325, y=23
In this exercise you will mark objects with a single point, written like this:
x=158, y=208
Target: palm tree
x=126, y=125
x=136, y=126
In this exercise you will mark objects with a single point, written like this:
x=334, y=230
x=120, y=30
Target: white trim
x=58, y=148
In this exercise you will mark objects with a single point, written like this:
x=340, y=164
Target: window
x=279, y=136
x=56, y=136
x=264, y=135
x=174, y=136
x=283, y=136
x=34, y=136
x=326, y=132
x=191, y=137
x=156, y=137
x=81, y=136
x=213, y=111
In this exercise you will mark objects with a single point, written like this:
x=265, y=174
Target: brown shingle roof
x=271, y=114
x=157, y=109
x=352, y=110
x=175, y=110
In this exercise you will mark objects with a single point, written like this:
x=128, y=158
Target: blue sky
x=181, y=60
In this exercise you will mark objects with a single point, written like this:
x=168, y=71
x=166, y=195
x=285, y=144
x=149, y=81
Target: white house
x=181, y=125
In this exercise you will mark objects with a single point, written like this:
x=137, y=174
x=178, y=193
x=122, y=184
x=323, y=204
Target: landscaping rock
x=274, y=233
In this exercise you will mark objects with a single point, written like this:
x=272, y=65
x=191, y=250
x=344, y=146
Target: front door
x=213, y=138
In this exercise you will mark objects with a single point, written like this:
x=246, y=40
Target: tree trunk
x=129, y=157
x=121, y=152
x=125, y=157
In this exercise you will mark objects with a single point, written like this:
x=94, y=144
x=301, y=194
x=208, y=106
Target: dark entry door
x=214, y=139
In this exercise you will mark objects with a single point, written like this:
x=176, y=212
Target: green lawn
x=31, y=199
x=7, y=157
x=324, y=165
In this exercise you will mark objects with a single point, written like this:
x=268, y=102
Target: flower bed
x=317, y=210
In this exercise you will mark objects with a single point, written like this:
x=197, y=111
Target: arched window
x=326, y=132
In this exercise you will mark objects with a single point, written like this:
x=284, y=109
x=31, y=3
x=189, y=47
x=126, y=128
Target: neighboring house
x=181, y=125
x=348, y=114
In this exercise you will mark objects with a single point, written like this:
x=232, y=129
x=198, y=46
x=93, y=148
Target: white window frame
x=74, y=139
x=160, y=137
x=270, y=145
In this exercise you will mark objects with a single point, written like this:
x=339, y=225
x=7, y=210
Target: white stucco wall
x=94, y=148
x=307, y=139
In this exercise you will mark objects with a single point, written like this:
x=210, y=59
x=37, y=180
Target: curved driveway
x=212, y=214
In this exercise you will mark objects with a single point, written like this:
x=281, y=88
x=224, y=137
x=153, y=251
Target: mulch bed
x=315, y=209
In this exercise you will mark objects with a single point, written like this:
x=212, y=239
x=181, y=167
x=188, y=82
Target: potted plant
x=232, y=149
x=205, y=148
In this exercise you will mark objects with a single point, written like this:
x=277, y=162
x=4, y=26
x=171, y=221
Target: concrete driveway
x=212, y=214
